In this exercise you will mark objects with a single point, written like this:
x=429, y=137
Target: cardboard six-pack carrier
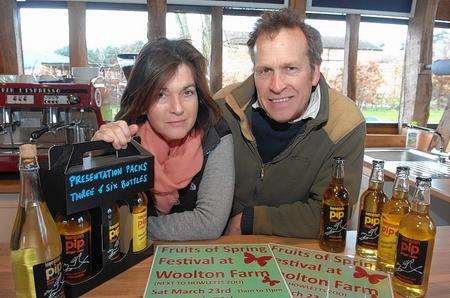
x=74, y=181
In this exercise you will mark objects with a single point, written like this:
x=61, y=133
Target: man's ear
x=316, y=75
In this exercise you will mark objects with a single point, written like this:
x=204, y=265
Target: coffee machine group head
x=46, y=114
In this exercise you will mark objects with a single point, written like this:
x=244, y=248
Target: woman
x=168, y=105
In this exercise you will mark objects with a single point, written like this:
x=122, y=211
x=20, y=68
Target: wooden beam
x=351, y=55
x=415, y=102
x=299, y=6
x=77, y=33
x=10, y=39
x=156, y=19
x=215, y=68
x=443, y=11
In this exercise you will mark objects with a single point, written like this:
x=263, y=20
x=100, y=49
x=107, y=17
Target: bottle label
x=369, y=229
x=48, y=279
x=387, y=243
x=139, y=231
x=76, y=256
x=410, y=261
x=335, y=223
x=114, y=248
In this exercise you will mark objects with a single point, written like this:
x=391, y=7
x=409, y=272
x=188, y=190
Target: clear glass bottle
x=75, y=231
x=393, y=211
x=113, y=215
x=139, y=217
x=35, y=243
x=371, y=204
x=333, y=220
x=416, y=235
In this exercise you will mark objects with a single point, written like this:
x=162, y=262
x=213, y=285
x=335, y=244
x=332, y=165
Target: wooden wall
x=10, y=41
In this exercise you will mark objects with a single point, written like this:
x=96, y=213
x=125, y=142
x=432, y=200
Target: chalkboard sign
x=401, y=8
x=100, y=182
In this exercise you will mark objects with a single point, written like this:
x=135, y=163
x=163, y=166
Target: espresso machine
x=46, y=114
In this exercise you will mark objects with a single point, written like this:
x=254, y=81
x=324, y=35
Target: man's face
x=283, y=76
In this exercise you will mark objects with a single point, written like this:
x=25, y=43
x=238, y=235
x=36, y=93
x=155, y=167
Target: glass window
x=380, y=66
x=333, y=37
x=193, y=26
x=440, y=96
x=237, y=64
x=108, y=33
x=45, y=40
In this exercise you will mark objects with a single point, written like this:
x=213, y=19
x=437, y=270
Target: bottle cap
x=402, y=169
x=28, y=151
x=423, y=179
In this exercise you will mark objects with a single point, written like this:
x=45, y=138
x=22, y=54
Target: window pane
x=237, y=64
x=108, y=33
x=45, y=40
x=380, y=66
x=193, y=26
x=333, y=36
x=441, y=84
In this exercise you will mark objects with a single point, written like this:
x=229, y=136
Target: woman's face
x=174, y=112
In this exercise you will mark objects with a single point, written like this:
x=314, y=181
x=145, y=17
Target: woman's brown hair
x=156, y=63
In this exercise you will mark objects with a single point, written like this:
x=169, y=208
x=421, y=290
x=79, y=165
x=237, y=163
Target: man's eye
x=292, y=68
x=264, y=71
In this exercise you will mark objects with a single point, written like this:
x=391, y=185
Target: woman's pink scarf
x=174, y=166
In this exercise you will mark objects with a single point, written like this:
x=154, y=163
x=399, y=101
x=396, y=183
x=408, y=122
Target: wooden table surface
x=131, y=283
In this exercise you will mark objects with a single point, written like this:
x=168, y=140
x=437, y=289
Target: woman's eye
x=189, y=92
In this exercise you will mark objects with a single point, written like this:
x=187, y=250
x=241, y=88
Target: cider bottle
x=415, y=244
x=139, y=217
x=333, y=225
x=75, y=231
x=35, y=244
x=371, y=204
x=113, y=247
x=393, y=211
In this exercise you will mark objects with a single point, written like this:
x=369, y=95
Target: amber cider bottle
x=393, y=211
x=75, y=231
x=35, y=244
x=113, y=247
x=333, y=220
x=139, y=218
x=416, y=235
x=371, y=204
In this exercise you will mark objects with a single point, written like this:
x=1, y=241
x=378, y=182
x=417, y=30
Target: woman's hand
x=117, y=133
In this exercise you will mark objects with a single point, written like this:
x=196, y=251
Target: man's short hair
x=271, y=22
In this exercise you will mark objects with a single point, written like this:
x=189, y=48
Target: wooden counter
x=132, y=282
x=9, y=183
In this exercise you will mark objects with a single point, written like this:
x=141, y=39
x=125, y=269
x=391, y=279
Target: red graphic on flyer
x=271, y=282
x=262, y=261
x=372, y=278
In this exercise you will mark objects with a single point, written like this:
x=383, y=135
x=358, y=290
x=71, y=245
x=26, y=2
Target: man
x=287, y=126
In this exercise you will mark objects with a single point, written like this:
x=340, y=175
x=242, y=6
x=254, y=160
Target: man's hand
x=234, y=226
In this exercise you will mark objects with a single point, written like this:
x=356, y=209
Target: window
x=237, y=64
x=333, y=37
x=440, y=96
x=381, y=54
x=45, y=38
x=108, y=33
x=193, y=26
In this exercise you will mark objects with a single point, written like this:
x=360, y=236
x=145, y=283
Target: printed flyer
x=314, y=274
x=244, y=270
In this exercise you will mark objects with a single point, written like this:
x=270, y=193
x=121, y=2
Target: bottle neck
x=401, y=184
x=338, y=174
x=421, y=200
x=29, y=185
